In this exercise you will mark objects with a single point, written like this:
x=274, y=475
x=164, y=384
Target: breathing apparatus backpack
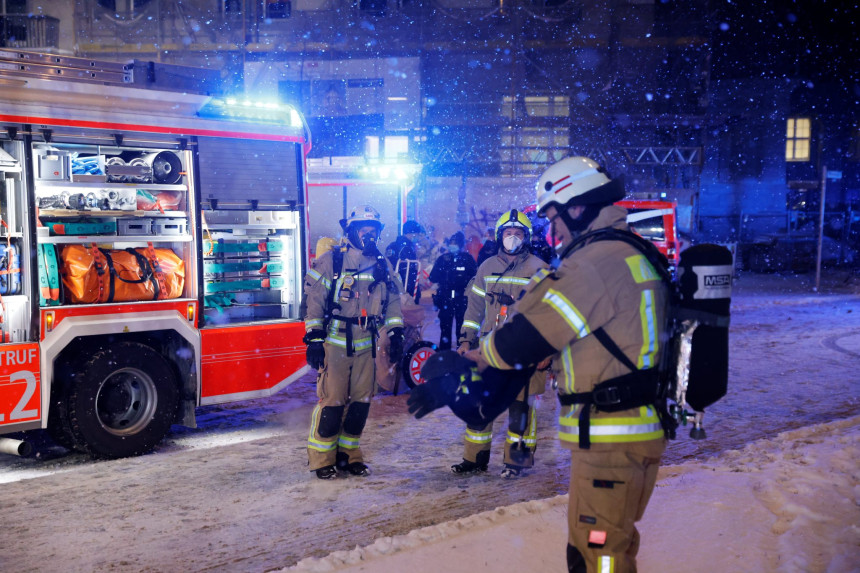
x=694, y=366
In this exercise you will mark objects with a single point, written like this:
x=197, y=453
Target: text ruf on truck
x=152, y=246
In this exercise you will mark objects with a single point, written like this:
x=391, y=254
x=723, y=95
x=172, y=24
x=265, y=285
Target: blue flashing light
x=250, y=110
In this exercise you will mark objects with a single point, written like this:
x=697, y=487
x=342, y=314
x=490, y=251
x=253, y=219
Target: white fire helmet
x=363, y=215
x=576, y=181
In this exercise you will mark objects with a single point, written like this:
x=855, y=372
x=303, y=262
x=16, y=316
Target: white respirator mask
x=511, y=243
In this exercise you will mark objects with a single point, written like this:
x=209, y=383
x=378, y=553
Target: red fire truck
x=152, y=248
x=653, y=220
x=657, y=222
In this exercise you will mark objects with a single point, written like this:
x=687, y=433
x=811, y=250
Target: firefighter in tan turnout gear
x=352, y=293
x=601, y=314
x=498, y=284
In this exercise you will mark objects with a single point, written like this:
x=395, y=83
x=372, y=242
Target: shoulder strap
x=336, y=269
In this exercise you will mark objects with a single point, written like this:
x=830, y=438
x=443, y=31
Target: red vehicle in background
x=651, y=219
x=657, y=222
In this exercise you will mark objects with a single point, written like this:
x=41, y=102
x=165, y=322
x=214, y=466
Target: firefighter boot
x=327, y=472
x=511, y=471
x=468, y=467
x=358, y=469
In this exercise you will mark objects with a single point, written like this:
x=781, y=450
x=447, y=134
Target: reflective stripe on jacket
x=492, y=278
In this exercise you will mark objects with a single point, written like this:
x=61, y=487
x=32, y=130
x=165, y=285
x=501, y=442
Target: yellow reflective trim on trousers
x=315, y=444
x=605, y=564
x=641, y=269
x=567, y=311
x=471, y=324
x=478, y=437
x=648, y=316
x=348, y=443
x=488, y=353
x=530, y=437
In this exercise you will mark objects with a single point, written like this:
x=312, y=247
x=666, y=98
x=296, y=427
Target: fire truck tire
x=122, y=401
x=414, y=359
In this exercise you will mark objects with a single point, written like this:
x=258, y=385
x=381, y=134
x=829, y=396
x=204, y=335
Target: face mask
x=453, y=249
x=512, y=243
x=369, y=247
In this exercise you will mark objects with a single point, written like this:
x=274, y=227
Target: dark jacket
x=402, y=256
x=452, y=273
x=490, y=249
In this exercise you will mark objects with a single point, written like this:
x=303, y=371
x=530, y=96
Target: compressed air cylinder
x=705, y=280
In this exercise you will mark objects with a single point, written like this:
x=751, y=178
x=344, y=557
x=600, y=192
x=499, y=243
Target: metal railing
x=25, y=31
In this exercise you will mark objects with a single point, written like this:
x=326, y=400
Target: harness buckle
x=609, y=396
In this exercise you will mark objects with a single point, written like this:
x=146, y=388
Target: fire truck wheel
x=122, y=402
x=414, y=359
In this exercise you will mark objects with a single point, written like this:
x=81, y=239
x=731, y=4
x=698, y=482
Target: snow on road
x=234, y=494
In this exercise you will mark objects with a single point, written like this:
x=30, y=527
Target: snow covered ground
x=791, y=503
x=773, y=488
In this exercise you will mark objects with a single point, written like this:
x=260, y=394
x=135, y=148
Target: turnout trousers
x=521, y=427
x=609, y=491
x=344, y=389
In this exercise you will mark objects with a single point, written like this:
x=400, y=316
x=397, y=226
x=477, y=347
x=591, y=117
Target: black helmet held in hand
x=454, y=381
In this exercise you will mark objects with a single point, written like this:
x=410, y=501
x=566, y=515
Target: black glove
x=380, y=270
x=395, y=345
x=431, y=395
x=315, y=353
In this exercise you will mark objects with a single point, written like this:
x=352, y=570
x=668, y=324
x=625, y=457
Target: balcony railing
x=24, y=31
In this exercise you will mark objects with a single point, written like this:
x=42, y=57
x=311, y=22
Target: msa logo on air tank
x=714, y=281
x=718, y=280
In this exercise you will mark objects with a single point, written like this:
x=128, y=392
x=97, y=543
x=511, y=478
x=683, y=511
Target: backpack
x=693, y=369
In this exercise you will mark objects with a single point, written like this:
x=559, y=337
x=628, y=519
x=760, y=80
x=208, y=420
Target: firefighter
x=601, y=313
x=402, y=255
x=452, y=271
x=499, y=282
x=352, y=293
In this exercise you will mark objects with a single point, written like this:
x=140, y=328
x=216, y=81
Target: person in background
x=452, y=272
x=402, y=253
x=352, y=293
x=490, y=247
x=498, y=284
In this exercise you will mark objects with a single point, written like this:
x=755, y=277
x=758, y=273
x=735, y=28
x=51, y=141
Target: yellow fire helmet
x=513, y=218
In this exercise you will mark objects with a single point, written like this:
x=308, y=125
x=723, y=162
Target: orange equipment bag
x=91, y=274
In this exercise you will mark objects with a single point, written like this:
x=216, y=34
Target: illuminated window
x=533, y=149
x=396, y=145
x=797, y=138
x=371, y=146
x=540, y=106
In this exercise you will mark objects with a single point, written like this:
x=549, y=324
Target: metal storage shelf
x=104, y=185
x=64, y=240
x=106, y=213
